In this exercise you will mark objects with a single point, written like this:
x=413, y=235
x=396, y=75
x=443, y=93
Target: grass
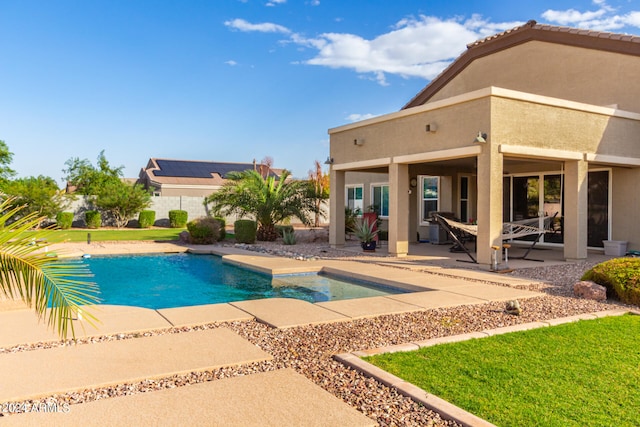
x=125, y=234
x=578, y=374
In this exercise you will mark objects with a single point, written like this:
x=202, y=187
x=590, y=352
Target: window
x=430, y=189
x=354, y=198
x=380, y=198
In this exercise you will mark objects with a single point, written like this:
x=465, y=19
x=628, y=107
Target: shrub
x=178, y=218
x=223, y=225
x=204, y=231
x=64, y=220
x=288, y=237
x=93, y=219
x=621, y=277
x=245, y=231
x=146, y=218
x=281, y=229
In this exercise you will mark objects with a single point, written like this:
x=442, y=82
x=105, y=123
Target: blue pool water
x=177, y=280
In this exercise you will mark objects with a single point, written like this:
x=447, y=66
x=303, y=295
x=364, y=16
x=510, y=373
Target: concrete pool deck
x=117, y=362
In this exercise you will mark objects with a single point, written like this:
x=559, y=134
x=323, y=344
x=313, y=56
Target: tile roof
x=544, y=27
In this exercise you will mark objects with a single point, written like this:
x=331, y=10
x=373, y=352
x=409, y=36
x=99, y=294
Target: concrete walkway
x=282, y=397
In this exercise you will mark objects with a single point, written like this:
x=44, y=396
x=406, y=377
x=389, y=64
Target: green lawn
x=578, y=374
x=125, y=234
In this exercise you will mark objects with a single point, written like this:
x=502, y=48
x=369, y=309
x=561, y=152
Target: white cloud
x=416, y=47
x=265, y=27
x=275, y=2
x=604, y=18
x=358, y=117
x=231, y=62
x=423, y=46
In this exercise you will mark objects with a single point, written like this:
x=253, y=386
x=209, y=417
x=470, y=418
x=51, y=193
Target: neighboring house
x=170, y=177
x=558, y=112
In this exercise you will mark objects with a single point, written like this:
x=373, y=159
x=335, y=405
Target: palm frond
x=55, y=289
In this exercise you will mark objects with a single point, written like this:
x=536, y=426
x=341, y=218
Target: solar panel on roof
x=186, y=169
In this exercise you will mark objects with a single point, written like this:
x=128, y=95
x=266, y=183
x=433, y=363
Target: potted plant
x=366, y=232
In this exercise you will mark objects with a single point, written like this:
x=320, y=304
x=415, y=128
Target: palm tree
x=268, y=200
x=52, y=287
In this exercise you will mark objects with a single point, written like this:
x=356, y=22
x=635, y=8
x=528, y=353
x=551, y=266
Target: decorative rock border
x=445, y=409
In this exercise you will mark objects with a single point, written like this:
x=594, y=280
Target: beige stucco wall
x=457, y=125
x=566, y=72
x=555, y=127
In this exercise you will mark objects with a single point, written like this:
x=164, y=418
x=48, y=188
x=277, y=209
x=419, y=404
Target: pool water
x=178, y=280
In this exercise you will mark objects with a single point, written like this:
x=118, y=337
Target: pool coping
x=447, y=290
x=431, y=401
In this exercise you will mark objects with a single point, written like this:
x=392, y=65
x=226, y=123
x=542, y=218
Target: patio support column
x=489, y=203
x=575, y=212
x=336, y=208
x=398, y=209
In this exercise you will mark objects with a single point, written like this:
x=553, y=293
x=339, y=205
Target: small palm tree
x=268, y=200
x=50, y=286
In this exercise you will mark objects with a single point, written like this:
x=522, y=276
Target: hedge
x=93, y=219
x=178, y=218
x=204, y=231
x=64, y=220
x=146, y=218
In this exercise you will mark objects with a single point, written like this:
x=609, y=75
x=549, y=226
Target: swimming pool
x=177, y=280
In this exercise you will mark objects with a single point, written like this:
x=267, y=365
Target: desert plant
x=280, y=229
x=204, y=231
x=93, y=219
x=621, y=277
x=178, y=218
x=288, y=237
x=365, y=231
x=350, y=219
x=64, y=220
x=245, y=231
x=146, y=218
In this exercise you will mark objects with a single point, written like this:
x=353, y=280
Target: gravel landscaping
x=309, y=349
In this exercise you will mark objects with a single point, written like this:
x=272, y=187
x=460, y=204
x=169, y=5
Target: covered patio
x=433, y=158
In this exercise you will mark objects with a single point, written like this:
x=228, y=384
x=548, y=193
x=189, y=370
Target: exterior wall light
x=431, y=127
x=329, y=161
x=481, y=138
x=358, y=142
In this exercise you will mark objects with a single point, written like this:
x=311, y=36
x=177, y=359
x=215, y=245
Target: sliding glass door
x=536, y=196
x=542, y=195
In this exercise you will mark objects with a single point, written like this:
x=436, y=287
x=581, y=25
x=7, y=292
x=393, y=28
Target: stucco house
x=193, y=178
x=531, y=121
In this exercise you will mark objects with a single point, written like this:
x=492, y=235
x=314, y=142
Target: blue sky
x=233, y=80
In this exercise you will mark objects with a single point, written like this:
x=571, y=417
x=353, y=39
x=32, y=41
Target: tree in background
x=119, y=201
x=88, y=179
x=6, y=157
x=54, y=288
x=39, y=195
x=318, y=190
x=268, y=200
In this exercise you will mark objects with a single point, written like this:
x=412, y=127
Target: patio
x=96, y=373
